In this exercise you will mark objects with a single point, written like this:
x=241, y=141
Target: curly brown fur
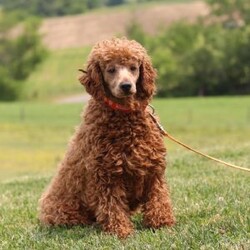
x=116, y=160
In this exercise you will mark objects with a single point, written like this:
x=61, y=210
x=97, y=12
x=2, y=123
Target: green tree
x=18, y=57
x=46, y=7
x=92, y=4
x=234, y=11
x=115, y=2
x=55, y=7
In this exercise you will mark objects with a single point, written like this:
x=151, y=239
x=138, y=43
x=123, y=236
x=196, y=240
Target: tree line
x=47, y=8
x=209, y=57
x=18, y=56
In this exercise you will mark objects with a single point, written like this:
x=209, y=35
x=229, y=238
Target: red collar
x=116, y=106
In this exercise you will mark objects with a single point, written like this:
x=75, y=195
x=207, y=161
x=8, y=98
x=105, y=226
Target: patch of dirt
x=82, y=30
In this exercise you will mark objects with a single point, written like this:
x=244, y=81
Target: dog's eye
x=111, y=70
x=133, y=68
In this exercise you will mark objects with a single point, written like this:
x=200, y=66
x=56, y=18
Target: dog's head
x=119, y=69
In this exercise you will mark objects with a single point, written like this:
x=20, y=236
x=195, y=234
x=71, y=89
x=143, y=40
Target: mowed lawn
x=57, y=75
x=211, y=202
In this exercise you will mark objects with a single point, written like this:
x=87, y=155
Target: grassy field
x=53, y=77
x=211, y=202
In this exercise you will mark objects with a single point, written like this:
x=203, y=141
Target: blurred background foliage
x=46, y=8
x=19, y=55
x=208, y=57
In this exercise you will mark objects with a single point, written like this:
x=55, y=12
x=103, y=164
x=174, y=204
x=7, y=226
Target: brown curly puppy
x=116, y=159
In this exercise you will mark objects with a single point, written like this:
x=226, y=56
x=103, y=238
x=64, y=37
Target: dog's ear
x=92, y=80
x=146, y=84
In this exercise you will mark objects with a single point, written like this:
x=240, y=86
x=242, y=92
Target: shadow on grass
x=81, y=232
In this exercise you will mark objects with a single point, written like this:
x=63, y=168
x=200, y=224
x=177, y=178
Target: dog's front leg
x=107, y=199
x=157, y=209
x=61, y=203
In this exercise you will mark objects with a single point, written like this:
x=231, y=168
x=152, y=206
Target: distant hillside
x=71, y=38
x=57, y=76
x=81, y=30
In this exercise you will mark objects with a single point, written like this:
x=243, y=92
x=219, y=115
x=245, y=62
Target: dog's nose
x=126, y=86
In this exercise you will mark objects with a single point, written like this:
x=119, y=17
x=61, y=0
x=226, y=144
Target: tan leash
x=164, y=132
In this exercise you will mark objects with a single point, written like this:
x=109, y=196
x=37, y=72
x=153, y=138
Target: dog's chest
x=129, y=146
x=136, y=149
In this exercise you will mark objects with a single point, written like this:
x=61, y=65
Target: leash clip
x=160, y=127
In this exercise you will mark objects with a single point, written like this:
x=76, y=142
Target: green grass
x=211, y=202
x=34, y=136
x=53, y=77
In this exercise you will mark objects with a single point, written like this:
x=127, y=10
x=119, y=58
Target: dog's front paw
x=158, y=222
x=156, y=218
x=121, y=229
